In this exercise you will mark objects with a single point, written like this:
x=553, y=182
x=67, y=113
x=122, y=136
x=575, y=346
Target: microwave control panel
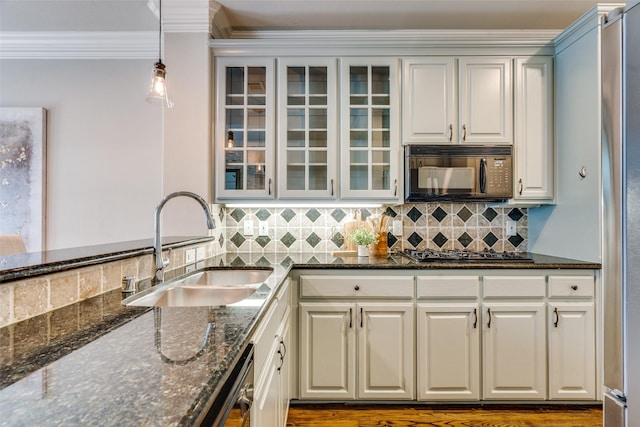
x=499, y=175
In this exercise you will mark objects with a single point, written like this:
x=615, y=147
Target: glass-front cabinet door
x=307, y=135
x=370, y=138
x=244, y=134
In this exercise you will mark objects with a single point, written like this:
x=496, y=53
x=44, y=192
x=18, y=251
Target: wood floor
x=339, y=415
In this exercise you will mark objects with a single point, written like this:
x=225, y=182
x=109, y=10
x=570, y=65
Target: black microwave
x=458, y=173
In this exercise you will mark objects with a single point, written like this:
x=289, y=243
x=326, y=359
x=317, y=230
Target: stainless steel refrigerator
x=621, y=213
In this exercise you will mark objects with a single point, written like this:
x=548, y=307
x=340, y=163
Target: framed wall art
x=23, y=175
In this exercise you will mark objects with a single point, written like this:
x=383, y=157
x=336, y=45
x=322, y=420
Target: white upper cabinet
x=245, y=134
x=533, y=147
x=430, y=100
x=486, y=100
x=370, y=134
x=471, y=106
x=307, y=129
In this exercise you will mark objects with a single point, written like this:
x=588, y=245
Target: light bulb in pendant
x=230, y=139
x=158, y=91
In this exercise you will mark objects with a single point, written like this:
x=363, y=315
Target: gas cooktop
x=430, y=255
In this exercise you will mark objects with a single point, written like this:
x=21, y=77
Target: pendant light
x=158, y=90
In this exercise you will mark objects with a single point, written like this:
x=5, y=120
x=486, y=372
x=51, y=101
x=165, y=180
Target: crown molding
x=591, y=19
x=78, y=44
x=387, y=42
x=185, y=16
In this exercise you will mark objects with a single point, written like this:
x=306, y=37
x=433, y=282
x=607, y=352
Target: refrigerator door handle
x=618, y=395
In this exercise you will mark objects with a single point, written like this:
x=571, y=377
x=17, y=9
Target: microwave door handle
x=483, y=175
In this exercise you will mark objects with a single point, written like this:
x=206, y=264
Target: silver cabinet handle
x=332, y=187
x=356, y=288
x=450, y=132
x=464, y=133
x=556, y=317
x=361, y=317
x=520, y=186
x=395, y=188
x=475, y=318
x=350, y=318
x=269, y=186
x=574, y=287
x=489, y=313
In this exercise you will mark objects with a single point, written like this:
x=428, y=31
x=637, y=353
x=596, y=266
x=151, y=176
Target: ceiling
x=105, y=15
x=404, y=14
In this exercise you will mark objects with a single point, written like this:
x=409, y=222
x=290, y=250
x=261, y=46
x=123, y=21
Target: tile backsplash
x=472, y=226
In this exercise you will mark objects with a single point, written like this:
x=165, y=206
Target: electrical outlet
x=263, y=228
x=397, y=228
x=510, y=228
x=248, y=228
x=200, y=254
x=190, y=256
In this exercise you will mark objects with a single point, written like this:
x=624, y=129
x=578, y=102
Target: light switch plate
x=248, y=228
x=190, y=255
x=510, y=228
x=263, y=228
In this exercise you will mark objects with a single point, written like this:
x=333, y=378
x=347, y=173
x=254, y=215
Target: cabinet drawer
x=267, y=330
x=514, y=286
x=571, y=286
x=447, y=287
x=394, y=287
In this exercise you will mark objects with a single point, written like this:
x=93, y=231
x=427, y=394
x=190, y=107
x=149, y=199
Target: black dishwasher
x=232, y=407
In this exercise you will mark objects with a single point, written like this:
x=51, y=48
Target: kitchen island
x=160, y=366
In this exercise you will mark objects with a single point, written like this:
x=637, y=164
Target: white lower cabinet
x=514, y=351
x=507, y=335
x=356, y=351
x=571, y=325
x=448, y=338
x=448, y=351
x=272, y=365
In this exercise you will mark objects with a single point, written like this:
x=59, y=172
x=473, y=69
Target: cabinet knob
x=356, y=287
x=574, y=287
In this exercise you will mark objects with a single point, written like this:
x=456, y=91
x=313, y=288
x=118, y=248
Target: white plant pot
x=363, y=250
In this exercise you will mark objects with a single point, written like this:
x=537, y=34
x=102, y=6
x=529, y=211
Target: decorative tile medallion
x=439, y=214
x=414, y=214
x=313, y=214
x=440, y=240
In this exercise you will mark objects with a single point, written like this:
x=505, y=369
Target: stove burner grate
x=431, y=255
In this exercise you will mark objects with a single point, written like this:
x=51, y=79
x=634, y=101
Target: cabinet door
x=284, y=372
x=245, y=138
x=370, y=133
x=533, y=144
x=429, y=101
x=486, y=100
x=385, y=351
x=265, y=408
x=307, y=152
x=327, y=351
x=448, y=351
x=572, y=351
x=514, y=351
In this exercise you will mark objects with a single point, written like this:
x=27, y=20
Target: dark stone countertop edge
x=25, y=266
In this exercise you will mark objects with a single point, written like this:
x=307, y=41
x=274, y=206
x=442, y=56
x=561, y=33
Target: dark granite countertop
x=31, y=264
x=98, y=362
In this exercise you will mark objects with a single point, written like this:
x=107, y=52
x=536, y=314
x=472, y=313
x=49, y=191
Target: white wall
x=572, y=228
x=104, y=173
x=187, y=129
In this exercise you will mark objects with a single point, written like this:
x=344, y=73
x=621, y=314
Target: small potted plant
x=363, y=237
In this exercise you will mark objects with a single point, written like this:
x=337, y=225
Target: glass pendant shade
x=158, y=91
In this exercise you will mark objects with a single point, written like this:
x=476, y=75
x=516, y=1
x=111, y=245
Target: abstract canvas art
x=22, y=174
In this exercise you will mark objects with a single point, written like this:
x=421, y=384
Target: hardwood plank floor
x=340, y=415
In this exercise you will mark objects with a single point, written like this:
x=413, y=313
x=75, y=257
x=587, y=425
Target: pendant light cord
x=160, y=32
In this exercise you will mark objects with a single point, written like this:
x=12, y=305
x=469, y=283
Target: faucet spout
x=159, y=262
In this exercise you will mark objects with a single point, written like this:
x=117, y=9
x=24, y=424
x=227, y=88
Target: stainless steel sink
x=206, y=288
x=227, y=277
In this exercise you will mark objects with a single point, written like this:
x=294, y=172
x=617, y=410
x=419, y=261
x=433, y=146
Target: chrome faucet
x=161, y=263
